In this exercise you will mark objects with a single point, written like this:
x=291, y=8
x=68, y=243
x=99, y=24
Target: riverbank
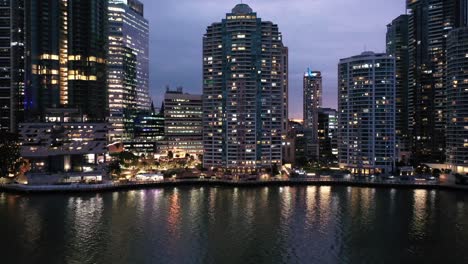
x=112, y=186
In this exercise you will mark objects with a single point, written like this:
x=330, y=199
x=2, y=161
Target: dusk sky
x=317, y=32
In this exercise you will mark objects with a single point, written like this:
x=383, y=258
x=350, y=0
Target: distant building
x=128, y=66
x=11, y=64
x=328, y=135
x=66, y=50
x=296, y=144
x=289, y=150
x=245, y=93
x=366, y=109
x=312, y=102
x=183, y=122
x=457, y=100
x=397, y=47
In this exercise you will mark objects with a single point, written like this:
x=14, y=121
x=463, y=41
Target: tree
x=275, y=170
x=9, y=153
x=114, y=169
x=436, y=172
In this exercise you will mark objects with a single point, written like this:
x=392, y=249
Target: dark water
x=234, y=225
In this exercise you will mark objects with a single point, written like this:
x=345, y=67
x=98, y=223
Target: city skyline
x=175, y=51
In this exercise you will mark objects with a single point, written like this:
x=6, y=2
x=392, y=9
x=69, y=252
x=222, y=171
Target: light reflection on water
x=235, y=225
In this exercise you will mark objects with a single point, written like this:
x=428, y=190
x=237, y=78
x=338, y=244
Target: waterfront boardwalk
x=115, y=186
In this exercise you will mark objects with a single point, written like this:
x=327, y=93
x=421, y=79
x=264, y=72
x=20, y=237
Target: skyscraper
x=11, y=64
x=312, y=102
x=66, y=48
x=429, y=23
x=366, y=110
x=244, y=92
x=128, y=66
x=397, y=47
x=457, y=98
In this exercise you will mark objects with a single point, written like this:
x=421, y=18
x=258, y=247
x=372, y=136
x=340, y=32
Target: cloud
x=317, y=32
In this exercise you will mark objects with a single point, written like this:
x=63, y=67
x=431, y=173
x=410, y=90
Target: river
x=237, y=225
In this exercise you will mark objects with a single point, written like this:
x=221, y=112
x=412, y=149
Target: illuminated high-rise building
x=397, y=47
x=66, y=49
x=429, y=22
x=128, y=66
x=313, y=90
x=245, y=87
x=457, y=100
x=11, y=64
x=366, y=113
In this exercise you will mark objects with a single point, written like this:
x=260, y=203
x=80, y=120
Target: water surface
x=236, y=225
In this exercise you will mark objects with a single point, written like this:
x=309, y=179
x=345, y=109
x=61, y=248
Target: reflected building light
x=420, y=213
x=174, y=214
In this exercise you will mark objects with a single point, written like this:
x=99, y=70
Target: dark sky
x=317, y=32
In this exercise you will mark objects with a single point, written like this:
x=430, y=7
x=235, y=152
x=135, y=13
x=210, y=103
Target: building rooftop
x=366, y=55
x=242, y=9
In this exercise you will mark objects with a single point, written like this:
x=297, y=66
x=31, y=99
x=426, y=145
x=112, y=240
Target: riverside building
x=429, y=22
x=457, y=100
x=366, y=110
x=245, y=93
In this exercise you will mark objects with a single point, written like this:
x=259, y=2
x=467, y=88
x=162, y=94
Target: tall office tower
x=244, y=92
x=183, y=123
x=366, y=110
x=66, y=49
x=327, y=135
x=397, y=47
x=312, y=102
x=429, y=23
x=11, y=64
x=457, y=98
x=128, y=66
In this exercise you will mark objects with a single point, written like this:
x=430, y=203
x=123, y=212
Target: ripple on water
x=236, y=225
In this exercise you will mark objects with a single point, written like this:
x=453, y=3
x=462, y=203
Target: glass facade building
x=366, y=114
x=148, y=133
x=128, y=66
x=66, y=50
x=245, y=93
x=429, y=23
x=312, y=90
x=11, y=64
x=397, y=47
x=457, y=98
